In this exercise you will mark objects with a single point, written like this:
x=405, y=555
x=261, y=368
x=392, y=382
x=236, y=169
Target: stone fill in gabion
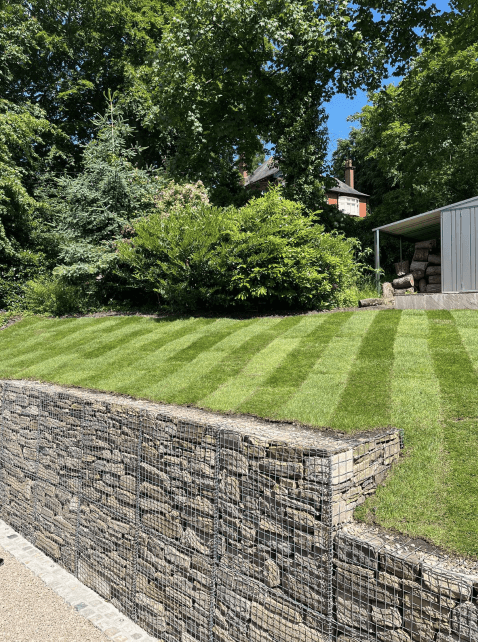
x=202, y=527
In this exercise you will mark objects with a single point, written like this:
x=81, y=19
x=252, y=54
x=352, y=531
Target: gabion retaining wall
x=388, y=589
x=202, y=527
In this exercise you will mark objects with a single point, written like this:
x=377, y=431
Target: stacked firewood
x=423, y=274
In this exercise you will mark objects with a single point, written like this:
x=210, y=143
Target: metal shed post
x=377, y=261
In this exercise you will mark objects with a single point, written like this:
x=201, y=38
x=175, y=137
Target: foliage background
x=416, y=147
x=113, y=111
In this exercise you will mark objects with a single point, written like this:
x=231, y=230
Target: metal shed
x=456, y=226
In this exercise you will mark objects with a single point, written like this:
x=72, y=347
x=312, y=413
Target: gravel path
x=30, y=611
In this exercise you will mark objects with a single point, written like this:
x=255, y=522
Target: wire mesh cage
x=57, y=479
x=19, y=457
x=203, y=531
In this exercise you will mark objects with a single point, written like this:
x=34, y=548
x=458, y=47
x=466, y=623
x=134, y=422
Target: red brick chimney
x=349, y=173
x=242, y=169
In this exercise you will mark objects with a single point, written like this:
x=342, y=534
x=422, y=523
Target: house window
x=349, y=205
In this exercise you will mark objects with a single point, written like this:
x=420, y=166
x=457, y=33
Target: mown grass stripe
x=131, y=354
x=316, y=399
x=31, y=325
x=141, y=367
x=193, y=360
x=152, y=372
x=461, y=444
x=68, y=353
x=70, y=338
x=211, y=369
x=40, y=336
x=453, y=367
x=30, y=329
x=413, y=496
x=466, y=322
x=459, y=389
x=233, y=362
x=259, y=365
x=68, y=334
x=282, y=384
x=20, y=326
x=366, y=400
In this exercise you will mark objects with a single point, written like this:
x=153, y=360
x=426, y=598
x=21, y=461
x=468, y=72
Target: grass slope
x=349, y=371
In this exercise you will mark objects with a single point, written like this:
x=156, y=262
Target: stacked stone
x=58, y=478
x=108, y=530
x=177, y=498
x=41, y=471
x=389, y=591
x=274, y=542
x=372, y=460
x=18, y=444
x=186, y=522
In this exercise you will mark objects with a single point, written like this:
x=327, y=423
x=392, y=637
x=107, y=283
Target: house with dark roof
x=263, y=177
x=344, y=196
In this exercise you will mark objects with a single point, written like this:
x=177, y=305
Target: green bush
x=364, y=288
x=269, y=253
x=52, y=296
x=24, y=266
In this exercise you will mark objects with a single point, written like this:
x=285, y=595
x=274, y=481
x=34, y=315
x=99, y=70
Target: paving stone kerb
x=202, y=527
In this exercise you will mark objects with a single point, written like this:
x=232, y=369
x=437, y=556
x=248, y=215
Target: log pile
x=426, y=267
x=423, y=274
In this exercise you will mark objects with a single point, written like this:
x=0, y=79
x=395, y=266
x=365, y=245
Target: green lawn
x=349, y=371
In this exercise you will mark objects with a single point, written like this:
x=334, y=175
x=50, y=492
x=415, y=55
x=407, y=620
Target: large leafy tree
x=29, y=145
x=417, y=147
x=230, y=74
x=63, y=55
x=206, y=83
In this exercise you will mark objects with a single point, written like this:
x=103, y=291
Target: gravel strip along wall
x=201, y=527
x=30, y=611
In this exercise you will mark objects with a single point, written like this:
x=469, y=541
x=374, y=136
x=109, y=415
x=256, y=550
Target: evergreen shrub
x=269, y=254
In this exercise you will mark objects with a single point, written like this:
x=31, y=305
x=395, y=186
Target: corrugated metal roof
x=416, y=228
x=423, y=226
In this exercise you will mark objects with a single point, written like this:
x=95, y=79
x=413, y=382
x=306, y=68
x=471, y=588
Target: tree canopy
x=228, y=75
x=417, y=145
x=63, y=56
x=201, y=86
x=29, y=146
x=206, y=82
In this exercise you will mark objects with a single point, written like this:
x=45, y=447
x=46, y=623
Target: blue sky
x=341, y=107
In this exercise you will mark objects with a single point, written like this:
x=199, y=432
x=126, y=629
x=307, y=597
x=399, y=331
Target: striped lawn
x=348, y=371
